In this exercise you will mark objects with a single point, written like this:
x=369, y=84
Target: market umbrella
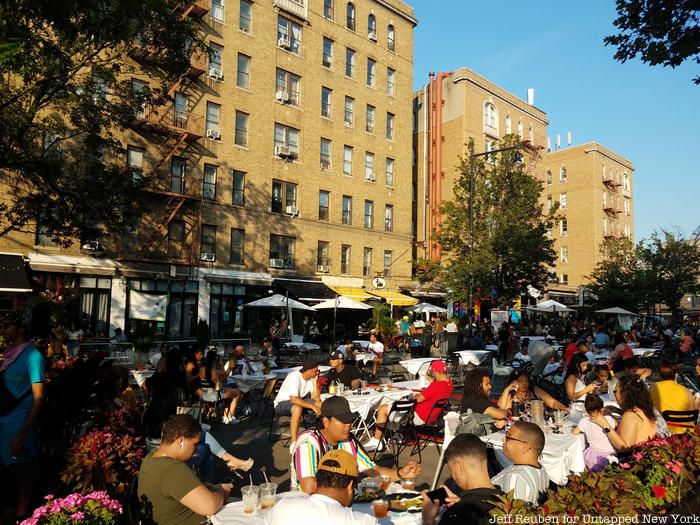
x=427, y=307
x=341, y=303
x=616, y=311
x=278, y=301
x=550, y=306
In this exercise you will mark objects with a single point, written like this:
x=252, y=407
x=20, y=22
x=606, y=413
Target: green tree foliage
x=616, y=279
x=665, y=32
x=65, y=94
x=511, y=246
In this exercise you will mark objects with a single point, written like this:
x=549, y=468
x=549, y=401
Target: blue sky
x=649, y=115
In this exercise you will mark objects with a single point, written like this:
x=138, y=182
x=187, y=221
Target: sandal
x=244, y=465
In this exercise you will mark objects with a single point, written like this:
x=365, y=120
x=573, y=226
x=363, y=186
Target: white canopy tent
x=550, y=306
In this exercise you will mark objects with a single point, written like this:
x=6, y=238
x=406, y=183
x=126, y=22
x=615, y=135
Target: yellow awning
x=395, y=298
x=357, y=294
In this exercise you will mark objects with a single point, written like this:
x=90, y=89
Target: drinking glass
x=250, y=498
x=380, y=508
x=267, y=495
x=363, y=385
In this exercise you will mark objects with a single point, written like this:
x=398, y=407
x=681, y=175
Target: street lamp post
x=472, y=156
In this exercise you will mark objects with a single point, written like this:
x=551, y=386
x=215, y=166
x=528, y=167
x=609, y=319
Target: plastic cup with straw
x=267, y=492
x=250, y=496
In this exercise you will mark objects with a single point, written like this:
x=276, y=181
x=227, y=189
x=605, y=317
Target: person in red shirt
x=573, y=347
x=440, y=387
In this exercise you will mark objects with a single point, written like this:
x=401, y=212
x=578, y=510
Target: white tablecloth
x=141, y=375
x=473, y=357
x=364, y=358
x=364, y=404
x=252, y=382
x=491, y=348
x=281, y=373
x=413, y=365
x=638, y=352
x=412, y=385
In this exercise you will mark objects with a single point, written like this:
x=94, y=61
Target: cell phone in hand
x=438, y=494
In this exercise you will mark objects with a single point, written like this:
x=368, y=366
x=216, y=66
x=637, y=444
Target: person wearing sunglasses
x=522, y=444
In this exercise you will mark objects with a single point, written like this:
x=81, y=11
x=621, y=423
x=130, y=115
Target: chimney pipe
x=568, y=138
x=531, y=96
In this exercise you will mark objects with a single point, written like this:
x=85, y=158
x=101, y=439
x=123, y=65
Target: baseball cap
x=346, y=463
x=405, y=318
x=336, y=354
x=339, y=408
x=438, y=366
x=308, y=365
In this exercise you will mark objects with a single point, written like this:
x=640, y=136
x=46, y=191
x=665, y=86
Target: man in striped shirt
x=523, y=444
x=311, y=445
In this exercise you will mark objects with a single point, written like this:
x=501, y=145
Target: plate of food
x=369, y=489
x=405, y=502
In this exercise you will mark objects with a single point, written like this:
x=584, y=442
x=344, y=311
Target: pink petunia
x=625, y=465
x=637, y=455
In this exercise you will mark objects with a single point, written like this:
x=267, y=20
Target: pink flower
x=637, y=455
x=77, y=516
x=625, y=465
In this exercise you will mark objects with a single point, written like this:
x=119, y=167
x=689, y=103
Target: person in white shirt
x=524, y=355
x=377, y=350
x=299, y=390
x=346, y=350
x=451, y=327
x=523, y=444
x=336, y=479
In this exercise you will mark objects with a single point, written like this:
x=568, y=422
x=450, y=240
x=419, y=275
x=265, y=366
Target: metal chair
x=398, y=432
x=267, y=397
x=430, y=432
x=681, y=419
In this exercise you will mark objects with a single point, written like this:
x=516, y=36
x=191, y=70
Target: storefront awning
x=305, y=290
x=358, y=294
x=13, y=274
x=395, y=298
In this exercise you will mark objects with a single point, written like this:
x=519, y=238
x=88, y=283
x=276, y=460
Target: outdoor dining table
x=414, y=365
x=281, y=373
x=473, y=357
x=250, y=382
x=372, y=398
x=638, y=352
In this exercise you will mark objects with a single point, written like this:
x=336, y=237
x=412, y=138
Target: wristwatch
x=606, y=430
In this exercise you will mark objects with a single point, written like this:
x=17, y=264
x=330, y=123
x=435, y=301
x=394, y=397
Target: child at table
x=599, y=446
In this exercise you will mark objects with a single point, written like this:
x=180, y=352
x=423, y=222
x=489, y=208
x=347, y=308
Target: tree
x=665, y=32
x=66, y=93
x=511, y=248
x=616, y=279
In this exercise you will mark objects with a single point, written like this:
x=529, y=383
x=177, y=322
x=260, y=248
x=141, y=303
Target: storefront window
x=224, y=316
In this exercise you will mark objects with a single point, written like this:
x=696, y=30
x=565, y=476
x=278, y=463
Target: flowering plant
x=96, y=508
x=103, y=460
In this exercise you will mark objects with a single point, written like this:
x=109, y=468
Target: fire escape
x=176, y=129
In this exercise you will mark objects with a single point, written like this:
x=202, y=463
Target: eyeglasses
x=509, y=437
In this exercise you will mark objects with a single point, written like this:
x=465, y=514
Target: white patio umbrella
x=428, y=308
x=341, y=303
x=616, y=311
x=550, y=306
x=278, y=301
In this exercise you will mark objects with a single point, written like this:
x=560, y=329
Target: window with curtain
x=350, y=16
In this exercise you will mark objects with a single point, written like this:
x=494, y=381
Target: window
x=389, y=172
x=99, y=94
x=134, y=162
x=325, y=154
x=238, y=188
x=347, y=210
x=349, y=62
x=369, y=119
x=564, y=227
x=178, y=167
x=326, y=102
x=369, y=214
x=328, y=9
x=605, y=199
x=217, y=10
x=287, y=86
x=388, y=256
x=209, y=184
x=216, y=53
x=350, y=17
x=564, y=254
x=549, y=177
x=389, y=218
x=176, y=237
x=562, y=174
x=390, y=79
x=207, y=243
x=605, y=226
x=390, y=38
x=390, y=126
x=281, y=252
x=237, y=246
x=345, y=259
x=327, y=52
x=243, y=74
x=531, y=135
x=626, y=182
x=549, y=203
x=367, y=263
x=138, y=92
x=245, y=21
x=213, y=115
x=181, y=106
x=490, y=145
x=288, y=35
x=626, y=206
x=369, y=166
x=284, y=196
x=627, y=230
x=372, y=27
x=520, y=129
x=347, y=160
x=322, y=256
x=509, y=126
x=324, y=199
x=286, y=136
x=371, y=70
x=562, y=201
x=349, y=109
x=490, y=118
x=241, y=138
x=564, y=279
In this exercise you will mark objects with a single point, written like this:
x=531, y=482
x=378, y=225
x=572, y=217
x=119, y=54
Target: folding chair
x=454, y=367
x=680, y=419
x=211, y=406
x=272, y=386
x=398, y=432
x=430, y=432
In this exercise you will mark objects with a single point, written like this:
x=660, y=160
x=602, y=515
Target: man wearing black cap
x=299, y=390
x=308, y=450
x=348, y=375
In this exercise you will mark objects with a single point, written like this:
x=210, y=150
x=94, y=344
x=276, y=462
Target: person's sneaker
x=372, y=444
x=234, y=421
x=225, y=420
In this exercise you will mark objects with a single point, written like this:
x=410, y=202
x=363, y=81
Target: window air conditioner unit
x=283, y=152
x=282, y=96
x=371, y=178
x=207, y=257
x=284, y=43
x=292, y=210
x=216, y=74
x=325, y=165
x=276, y=263
x=322, y=268
x=213, y=134
x=372, y=36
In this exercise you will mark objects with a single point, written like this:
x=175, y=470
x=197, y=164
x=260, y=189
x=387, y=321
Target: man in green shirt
x=168, y=490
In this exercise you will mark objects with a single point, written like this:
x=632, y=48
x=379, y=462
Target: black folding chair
x=398, y=432
x=681, y=419
x=432, y=432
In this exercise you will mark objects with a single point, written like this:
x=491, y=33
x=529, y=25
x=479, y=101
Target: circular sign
x=378, y=282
